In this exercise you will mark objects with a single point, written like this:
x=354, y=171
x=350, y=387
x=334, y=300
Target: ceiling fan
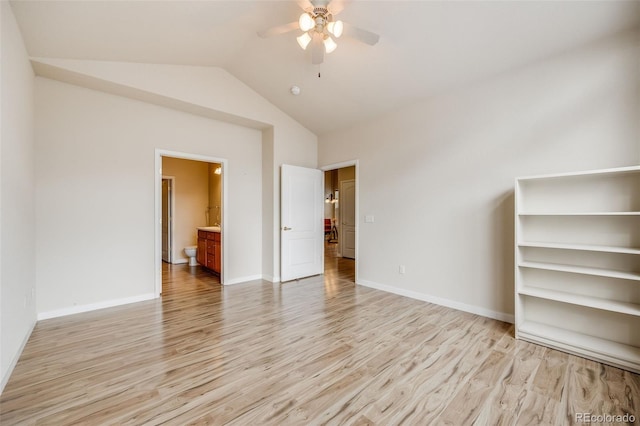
x=320, y=30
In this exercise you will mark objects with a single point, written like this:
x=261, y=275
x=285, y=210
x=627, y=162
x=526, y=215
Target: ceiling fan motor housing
x=321, y=17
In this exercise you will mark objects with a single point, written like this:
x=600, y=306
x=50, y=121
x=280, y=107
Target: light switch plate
x=368, y=218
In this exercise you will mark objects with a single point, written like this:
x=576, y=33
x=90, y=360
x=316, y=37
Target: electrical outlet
x=401, y=269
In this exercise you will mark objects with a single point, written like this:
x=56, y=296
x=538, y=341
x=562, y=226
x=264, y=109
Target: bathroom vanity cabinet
x=209, y=250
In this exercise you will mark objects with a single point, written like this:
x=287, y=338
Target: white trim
x=95, y=306
x=224, y=163
x=16, y=357
x=500, y=316
x=243, y=279
x=271, y=279
x=342, y=165
x=180, y=261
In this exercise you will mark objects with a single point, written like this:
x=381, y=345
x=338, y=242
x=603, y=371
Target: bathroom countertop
x=209, y=228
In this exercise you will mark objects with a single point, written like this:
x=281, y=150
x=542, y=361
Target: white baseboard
x=500, y=316
x=180, y=261
x=16, y=357
x=243, y=279
x=271, y=279
x=95, y=306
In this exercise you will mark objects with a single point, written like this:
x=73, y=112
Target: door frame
x=224, y=164
x=342, y=165
x=172, y=212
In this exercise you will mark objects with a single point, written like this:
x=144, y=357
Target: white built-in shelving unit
x=578, y=264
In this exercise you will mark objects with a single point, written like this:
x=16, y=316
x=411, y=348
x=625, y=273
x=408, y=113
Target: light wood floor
x=319, y=350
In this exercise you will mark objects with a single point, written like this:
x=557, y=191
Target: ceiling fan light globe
x=336, y=28
x=329, y=44
x=304, y=40
x=306, y=22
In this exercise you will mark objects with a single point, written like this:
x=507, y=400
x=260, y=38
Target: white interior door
x=301, y=222
x=348, y=218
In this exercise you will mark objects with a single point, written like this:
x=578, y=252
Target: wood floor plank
x=505, y=404
x=468, y=402
x=537, y=409
x=551, y=375
x=597, y=389
x=319, y=350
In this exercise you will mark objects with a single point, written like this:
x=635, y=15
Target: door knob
x=286, y=228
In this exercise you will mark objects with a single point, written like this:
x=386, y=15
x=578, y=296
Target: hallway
x=338, y=268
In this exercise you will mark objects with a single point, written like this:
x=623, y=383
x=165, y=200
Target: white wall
x=191, y=200
x=438, y=176
x=212, y=92
x=17, y=223
x=95, y=156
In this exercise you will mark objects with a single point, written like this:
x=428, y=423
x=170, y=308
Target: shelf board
x=581, y=270
x=588, y=301
x=583, y=247
x=587, y=173
x=610, y=352
x=568, y=213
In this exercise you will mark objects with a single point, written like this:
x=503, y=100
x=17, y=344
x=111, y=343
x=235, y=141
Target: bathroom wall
x=215, y=195
x=191, y=199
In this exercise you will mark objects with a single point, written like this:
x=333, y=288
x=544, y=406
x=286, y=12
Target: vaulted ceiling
x=425, y=48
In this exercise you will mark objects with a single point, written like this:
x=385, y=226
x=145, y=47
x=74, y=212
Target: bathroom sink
x=209, y=228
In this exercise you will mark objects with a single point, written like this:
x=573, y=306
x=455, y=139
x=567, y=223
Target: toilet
x=191, y=253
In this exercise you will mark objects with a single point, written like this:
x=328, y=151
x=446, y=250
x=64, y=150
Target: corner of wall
x=464, y=307
x=17, y=191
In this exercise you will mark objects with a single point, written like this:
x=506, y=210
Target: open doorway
x=190, y=201
x=340, y=221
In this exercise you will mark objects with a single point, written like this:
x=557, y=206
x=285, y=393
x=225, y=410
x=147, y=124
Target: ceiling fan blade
x=305, y=4
x=336, y=6
x=361, y=35
x=317, y=50
x=280, y=29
